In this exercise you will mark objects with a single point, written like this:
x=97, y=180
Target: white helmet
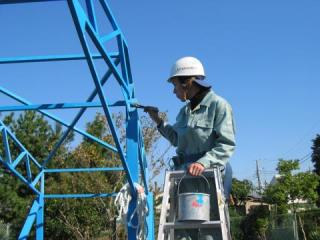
x=187, y=66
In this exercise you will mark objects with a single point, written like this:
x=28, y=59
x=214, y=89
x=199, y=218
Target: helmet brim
x=201, y=78
x=203, y=83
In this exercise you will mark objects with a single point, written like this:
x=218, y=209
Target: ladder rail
x=164, y=207
x=168, y=223
x=221, y=204
x=192, y=225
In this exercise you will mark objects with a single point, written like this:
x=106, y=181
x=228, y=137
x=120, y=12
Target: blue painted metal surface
x=150, y=217
x=52, y=58
x=30, y=220
x=85, y=134
x=133, y=161
x=52, y=106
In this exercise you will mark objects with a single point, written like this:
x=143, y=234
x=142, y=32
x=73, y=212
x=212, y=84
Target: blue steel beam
x=83, y=133
x=97, y=82
x=30, y=220
x=133, y=164
x=142, y=161
x=98, y=44
x=18, y=159
x=26, y=1
x=82, y=27
x=123, y=61
x=53, y=106
x=108, y=12
x=36, y=214
x=126, y=55
x=51, y=58
x=150, y=218
x=91, y=14
x=40, y=219
x=28, y=169
x=85, y=26
x=81, y=22
x=135, y=155
x=37, y=178
x=20, y=146
x=80, y=195
x=67, y=170
x=110, y=36
x=49, y=106
x=91, y=97
x=125, y=87
x=18, y=175
x=6, y=146
x=24, y=154
x=8, y=134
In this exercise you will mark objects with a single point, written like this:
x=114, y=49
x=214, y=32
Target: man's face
x=179, y=89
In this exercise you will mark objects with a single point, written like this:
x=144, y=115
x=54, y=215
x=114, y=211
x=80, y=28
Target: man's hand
x=154, y=114
x=195, y=169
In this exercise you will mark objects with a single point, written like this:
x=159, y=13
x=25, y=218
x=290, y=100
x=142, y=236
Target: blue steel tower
x=132, y=156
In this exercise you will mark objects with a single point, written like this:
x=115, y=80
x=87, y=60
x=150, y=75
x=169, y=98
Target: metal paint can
x=193, y=206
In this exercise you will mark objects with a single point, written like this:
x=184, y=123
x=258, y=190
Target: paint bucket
x=194, y=206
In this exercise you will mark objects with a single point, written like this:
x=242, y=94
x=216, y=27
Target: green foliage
x=316, y=160
x=285, y=167
x=315, y=235
x=241, y=190
x=37, y=135
x=236, y=217
x=291, y=187
x=311, y=223
x=255, y=225
x=4, y=235
x=72, y=218
x=316, y=154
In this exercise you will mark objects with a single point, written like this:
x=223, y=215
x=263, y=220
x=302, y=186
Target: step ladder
x=168, y=218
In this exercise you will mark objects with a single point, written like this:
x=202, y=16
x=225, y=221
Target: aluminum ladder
x=168, y=217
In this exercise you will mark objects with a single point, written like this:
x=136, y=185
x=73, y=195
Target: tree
x=39, y=137
x=241, y=190
x=71, y=218
x=85, y=218
x=255, y=225
x=316, y=160
x=151, y=136
x=290, y=188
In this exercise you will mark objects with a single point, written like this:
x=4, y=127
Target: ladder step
x=191, y=225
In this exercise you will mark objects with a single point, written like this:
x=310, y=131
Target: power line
x=305, y=158
x=302, y=139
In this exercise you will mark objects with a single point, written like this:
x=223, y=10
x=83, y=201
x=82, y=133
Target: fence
x=283, y=227
x=279, y=227
x=4, y=231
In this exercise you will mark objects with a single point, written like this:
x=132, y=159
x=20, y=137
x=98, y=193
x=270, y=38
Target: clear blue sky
x=262, y=56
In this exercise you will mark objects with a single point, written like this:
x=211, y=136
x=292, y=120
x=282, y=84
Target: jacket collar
x=206, y=101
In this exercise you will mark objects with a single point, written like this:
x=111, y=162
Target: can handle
x=201, y=175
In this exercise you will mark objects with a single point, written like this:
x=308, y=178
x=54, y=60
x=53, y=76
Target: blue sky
x=262, y=56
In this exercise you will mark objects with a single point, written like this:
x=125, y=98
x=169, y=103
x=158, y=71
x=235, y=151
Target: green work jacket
x=207, y=129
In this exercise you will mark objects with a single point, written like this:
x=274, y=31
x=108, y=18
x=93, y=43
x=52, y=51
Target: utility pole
x=258, y=176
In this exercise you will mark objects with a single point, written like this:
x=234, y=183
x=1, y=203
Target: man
x=203, y=132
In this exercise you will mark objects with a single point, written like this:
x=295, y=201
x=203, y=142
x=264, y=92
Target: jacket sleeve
x=224, y=131
x=169, y=133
